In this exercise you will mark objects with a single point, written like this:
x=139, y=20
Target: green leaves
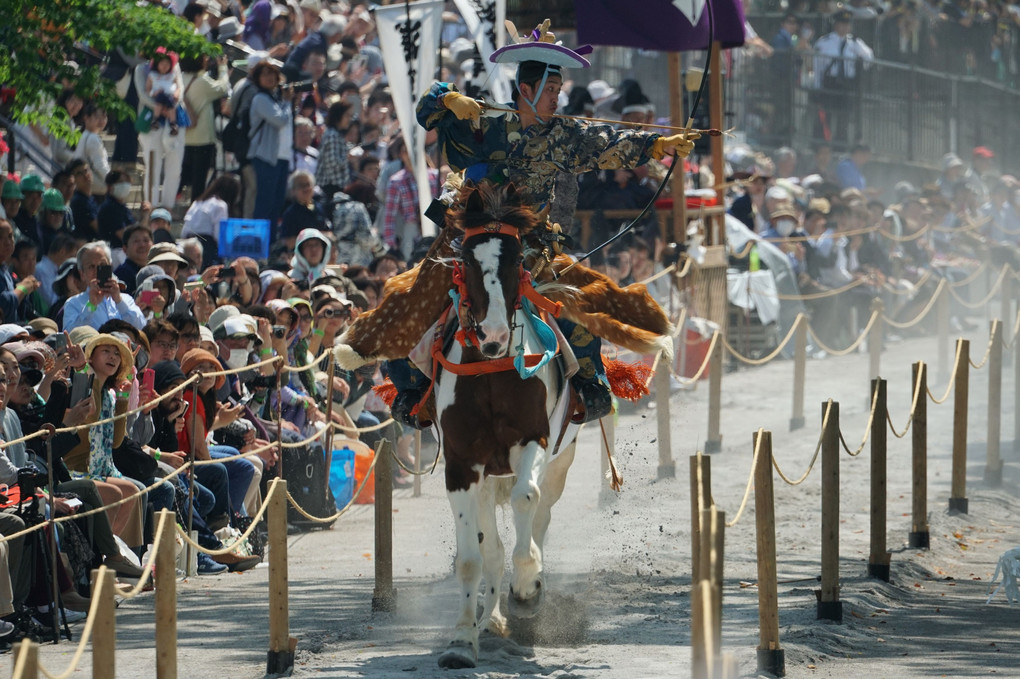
x=38, y=40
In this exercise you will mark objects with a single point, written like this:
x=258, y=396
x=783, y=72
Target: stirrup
x=403, y=404
x=595, y=399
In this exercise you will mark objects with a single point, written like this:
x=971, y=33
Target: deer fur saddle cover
x=413, y=301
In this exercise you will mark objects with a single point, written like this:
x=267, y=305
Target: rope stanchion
x=166, y=600
x=799, y=372
x=993, y=340
x=26, y=663
x=713, y=444
x=853, y=345
x=958, y=496
x=867, y=429
x=919, y=536
x=771, y=657
x=384, y=596
x=104, y=639
x=829, y=607
x=879, y=557
x=913, y=409
x=667, y=467
x=952, y=379
x=280, y=657
x=993, y=460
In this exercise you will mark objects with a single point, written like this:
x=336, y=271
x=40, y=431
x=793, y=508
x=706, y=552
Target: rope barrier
x=818, y=295
x=86, y=633
x=814, y=457
x=913, y=409
x=952, y=380
x=340, y=512
x=971, y=277
x=856, y=343
x=867, y=429
x=704, y=364
x=654, y=277
x=750, y=480
x=924, y=312
x=988, y=352
x=309, y=366
x=775, y=352
x=928, y=273
x=988, y=298
x=1008, y=344
x=148, y=567
x=241, y=538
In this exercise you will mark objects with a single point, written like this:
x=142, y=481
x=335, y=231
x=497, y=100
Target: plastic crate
x=244, y=238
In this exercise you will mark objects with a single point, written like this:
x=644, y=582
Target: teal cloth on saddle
x=545, y=335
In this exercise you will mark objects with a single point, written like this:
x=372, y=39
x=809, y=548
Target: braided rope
x=867, y=429
x=241, y=538
x=853, y=346
x=924, y=312
x=775, y=352
x=86, y=634
x=814, y=457
x=952, y=380
x=988, y=352
x=994, y=288
x=340, y=512
x=913, y=409
x=750, y=480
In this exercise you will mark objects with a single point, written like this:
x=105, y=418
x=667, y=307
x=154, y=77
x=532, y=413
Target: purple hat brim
x=544, y=52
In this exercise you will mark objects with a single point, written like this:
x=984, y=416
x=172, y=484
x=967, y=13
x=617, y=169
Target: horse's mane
x=484, y=203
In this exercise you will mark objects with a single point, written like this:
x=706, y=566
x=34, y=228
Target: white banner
x=484, y=20
x=409, y=39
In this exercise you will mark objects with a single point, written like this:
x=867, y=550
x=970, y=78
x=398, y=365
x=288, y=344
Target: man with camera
x=102, y=300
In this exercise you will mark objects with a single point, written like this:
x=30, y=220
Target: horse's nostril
x=490, y=348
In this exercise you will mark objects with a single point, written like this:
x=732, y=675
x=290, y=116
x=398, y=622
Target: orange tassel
x=387, y=391
x=628, y=380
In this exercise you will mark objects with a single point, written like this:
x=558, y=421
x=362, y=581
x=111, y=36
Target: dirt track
x=618, y=574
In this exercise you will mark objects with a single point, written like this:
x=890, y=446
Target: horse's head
x=493, y=221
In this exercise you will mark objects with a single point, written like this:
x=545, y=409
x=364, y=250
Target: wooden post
x=958, y=496
x=667, y=467
x=702, y=626
x=26, y=660
x=166, y=599
x=713, y=525
x=715, y=369
x=280, y=658
x=919, y=536
x=606, y=494
x=829, y=606
x=942, y=320
x=770, y=655
x=384, y=598
x=993, y=460
x=417, y=463
x=1006, y=312
x=104, y=625
x=875, y=339
x=1016, y=392
x=799, y=372
x=878, y=561
x=701, y=498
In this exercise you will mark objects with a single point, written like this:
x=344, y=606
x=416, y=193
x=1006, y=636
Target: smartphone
x=149, y=379
x=60, y=343
x=226, y=273
x=185, y=411
x=104, y=272
x=81, y=387
x=73, y=503
x=147, y=296
x=194, y=285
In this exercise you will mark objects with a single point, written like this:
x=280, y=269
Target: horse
x=503, y=437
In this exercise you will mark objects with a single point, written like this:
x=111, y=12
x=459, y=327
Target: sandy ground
x=618, y=573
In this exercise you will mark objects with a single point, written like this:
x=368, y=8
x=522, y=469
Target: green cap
x=32, y=182
x=53, y=200
x=11, y=191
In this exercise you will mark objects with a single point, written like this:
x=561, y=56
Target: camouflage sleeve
x=600, y=146
x=562, y=209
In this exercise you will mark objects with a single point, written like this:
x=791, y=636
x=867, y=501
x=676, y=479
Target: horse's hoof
x=526, y=608
x=460, y=655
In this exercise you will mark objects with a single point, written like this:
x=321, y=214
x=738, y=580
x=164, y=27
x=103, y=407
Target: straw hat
x=195, y=357
x=127, y=360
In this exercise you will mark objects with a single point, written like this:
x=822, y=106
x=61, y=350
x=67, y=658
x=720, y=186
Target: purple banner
x=657, y=24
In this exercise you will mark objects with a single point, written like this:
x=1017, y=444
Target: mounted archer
x=530, y=149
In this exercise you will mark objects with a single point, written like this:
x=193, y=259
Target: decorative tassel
x=615, y=480
x=387, y=391
x=628, y=380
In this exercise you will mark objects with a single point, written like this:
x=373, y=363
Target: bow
x=669, y=171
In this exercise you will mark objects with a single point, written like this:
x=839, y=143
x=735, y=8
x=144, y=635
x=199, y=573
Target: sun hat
x=81, y=334
x=11, y=191
x=8, y=331
x=235, y=327
x=46, y=326
x=205, y=335
x=539, y=46
x=784, y=209
x=161, y=213
x=127, y=361
x=53, y=200
x=65, y=269
x=220, y=315
x=32, y=182
x=166, y=252
x=228, y=29
x=195, y=357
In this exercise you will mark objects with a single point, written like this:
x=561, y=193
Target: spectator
x=838, y=60
x=10, y=197
x=101, y=300
x=23, y=268
x=162, y=149
x=160, y=221
x=114, y=216
x=203, y=219
x=84, y=210
x=200, y=93
x=332, y=173
x=306, y=156
x=362, y=188
x=137, y=242
x=66, y=284
x=12, y=297
x=850, y=170
x=90, y=146
x=26, y=220
x=271, y=142
x=401, y=215
x=302, y=212
x=62, y=248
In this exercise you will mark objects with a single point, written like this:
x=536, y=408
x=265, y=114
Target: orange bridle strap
x=492, y=227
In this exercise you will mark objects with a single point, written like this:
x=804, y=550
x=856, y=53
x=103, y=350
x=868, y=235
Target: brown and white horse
x=498, y=431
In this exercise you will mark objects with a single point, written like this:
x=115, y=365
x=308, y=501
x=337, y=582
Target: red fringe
x=387, y=391
x=628, y=380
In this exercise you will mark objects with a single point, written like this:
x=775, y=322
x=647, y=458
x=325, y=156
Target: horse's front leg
x=463, y=649
x=526, y=583
x=493, y=557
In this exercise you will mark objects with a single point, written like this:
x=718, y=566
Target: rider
x=530, y=147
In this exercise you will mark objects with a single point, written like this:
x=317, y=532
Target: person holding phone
x=11, y=295
x=102, y=300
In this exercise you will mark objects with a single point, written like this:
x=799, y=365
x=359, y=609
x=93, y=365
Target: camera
x=301, y=86
x=263, y=382
x=30, y=478
x=330, y=312
x=279, y=331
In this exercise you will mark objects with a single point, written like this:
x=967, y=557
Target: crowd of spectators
x=114, y=287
